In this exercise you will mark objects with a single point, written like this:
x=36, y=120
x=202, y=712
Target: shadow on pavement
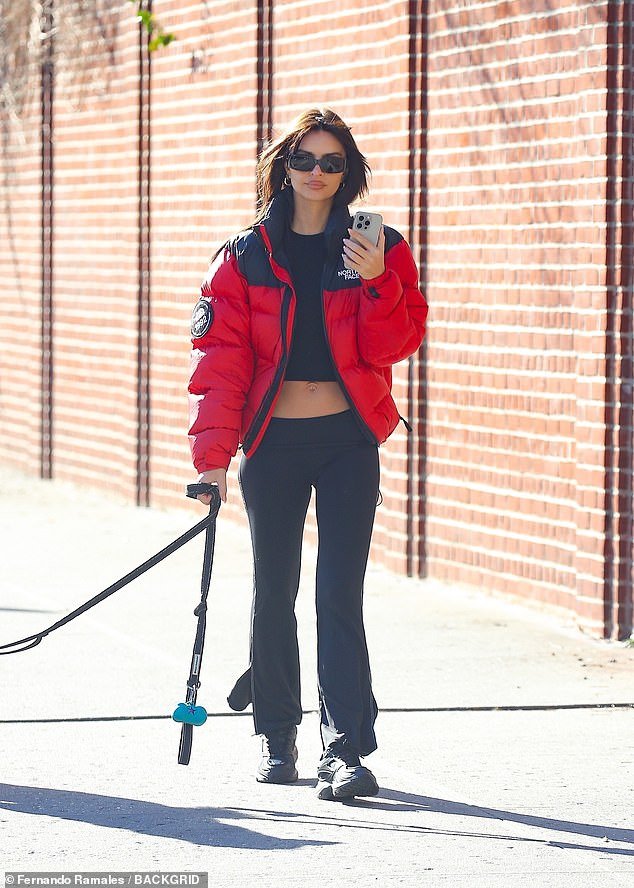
x=200, y=826
x=208, y=826
x=607, y=834
x=391, y=801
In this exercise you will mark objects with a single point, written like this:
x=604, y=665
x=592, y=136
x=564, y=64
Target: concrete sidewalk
x=505, y=756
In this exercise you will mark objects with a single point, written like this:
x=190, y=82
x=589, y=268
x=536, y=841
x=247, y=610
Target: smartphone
x=367, y=224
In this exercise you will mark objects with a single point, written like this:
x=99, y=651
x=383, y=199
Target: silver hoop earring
x=287, y=182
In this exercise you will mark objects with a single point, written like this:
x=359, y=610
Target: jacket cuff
x=211, y=465
x=377, y=281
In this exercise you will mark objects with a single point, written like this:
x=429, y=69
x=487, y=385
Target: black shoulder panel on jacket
x=239, y=242
x=248, y=249
x=392, y=237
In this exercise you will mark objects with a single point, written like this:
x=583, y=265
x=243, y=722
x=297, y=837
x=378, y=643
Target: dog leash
x=188, y=713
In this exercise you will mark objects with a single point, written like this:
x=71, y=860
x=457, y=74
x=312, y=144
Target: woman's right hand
x=214, y=476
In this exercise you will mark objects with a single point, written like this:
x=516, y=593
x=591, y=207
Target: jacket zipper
x=364, y=426
x=271, y=394
x=273, y=389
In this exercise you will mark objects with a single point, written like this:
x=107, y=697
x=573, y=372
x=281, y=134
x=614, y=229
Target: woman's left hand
x=361, y=255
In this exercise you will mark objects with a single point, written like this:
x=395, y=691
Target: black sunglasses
x=304, y=162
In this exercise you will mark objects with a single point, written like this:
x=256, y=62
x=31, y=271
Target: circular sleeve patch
x=202, y=318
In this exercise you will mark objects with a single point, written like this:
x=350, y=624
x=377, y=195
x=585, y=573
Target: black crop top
x=310, y=356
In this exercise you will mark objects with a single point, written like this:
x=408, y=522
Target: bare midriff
x=301, y=399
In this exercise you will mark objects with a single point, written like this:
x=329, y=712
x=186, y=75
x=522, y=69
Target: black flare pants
x=332, y=455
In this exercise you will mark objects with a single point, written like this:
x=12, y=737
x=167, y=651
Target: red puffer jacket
x=242, y=328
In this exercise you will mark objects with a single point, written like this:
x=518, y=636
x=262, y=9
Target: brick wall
x=499, y=134
x=95, y=262
x=20, y=303
x=517, y=278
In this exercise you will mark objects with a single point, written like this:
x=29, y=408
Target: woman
x=292, y=356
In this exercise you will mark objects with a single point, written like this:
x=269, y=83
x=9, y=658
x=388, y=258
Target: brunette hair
x=271, y=166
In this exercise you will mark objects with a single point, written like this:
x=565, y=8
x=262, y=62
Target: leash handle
x=195, y=490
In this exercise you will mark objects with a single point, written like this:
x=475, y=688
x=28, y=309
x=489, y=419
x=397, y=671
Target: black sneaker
x=279, y=756
x=341, y=775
